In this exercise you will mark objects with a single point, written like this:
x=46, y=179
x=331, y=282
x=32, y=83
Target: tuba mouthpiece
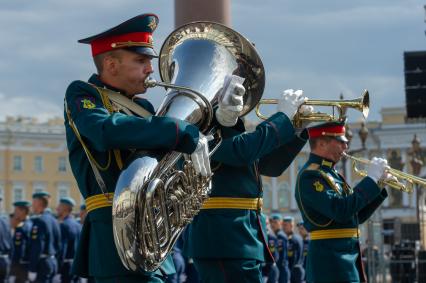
x=150, y=82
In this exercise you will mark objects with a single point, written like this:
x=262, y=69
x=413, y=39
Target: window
x=62, y=164
x=284, y=196
x=18, y=192
x=63, y=190
x=38, y=164
x=17, y=163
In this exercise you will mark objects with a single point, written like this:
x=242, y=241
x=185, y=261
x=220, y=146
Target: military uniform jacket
x=327, y=202
x=5, y=238
x=45, y=239
x=70, y=234
x=104, y=132
x=21, y=239
x=236, y=233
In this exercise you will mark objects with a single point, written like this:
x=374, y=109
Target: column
x=293, y=204
x=187, y=11
x=274, y=190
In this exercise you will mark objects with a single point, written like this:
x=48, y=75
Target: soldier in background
x=5, y=248
x=270, y=269
x=294, y=251
x=44, y=242
x=282, y=243
x=305, y=236
x=21, y=238
x=70, y=234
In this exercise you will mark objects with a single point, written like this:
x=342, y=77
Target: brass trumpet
x=361, y=104
x=399, y=175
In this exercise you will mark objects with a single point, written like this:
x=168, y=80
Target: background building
x=34, y=157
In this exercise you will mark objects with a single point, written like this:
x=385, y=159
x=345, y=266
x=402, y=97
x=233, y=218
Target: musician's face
x=131, y=70
x=335, y=149
x=275, y=224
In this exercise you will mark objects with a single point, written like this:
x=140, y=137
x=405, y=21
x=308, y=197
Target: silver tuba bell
x=154, y=197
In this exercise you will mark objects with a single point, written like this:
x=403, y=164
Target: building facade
x=34, y=157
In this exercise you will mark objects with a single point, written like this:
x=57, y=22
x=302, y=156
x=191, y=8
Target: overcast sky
x=324, y=47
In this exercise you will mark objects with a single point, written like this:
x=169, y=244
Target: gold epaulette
x=330, y=181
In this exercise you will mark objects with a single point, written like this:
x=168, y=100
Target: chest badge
x=318, y=186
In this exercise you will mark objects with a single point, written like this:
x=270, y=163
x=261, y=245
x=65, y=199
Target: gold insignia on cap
x=152, y=24
x=88, y=104
x=318, y=186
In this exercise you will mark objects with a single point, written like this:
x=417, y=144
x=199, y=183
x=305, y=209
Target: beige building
x=34, y=157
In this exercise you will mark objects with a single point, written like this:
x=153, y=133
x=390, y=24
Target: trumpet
x=399, y=175
x=361, y=104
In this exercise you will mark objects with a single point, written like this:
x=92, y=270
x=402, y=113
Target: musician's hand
x=305, y=110
x=290, y=101
x=200, y=157
x=376, y=168
x=231, y=101
x=32, y=276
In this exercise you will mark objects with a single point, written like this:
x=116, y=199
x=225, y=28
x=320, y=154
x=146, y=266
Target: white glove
x=376, y=169
x=305, y=110
x=32, y=276
x=290, y=101
x=200, y=157
x=231, y=101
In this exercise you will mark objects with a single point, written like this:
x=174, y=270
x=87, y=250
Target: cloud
x=26, y=106
x=324, y=47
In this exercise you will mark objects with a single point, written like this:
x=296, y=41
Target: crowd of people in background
x=38, y=245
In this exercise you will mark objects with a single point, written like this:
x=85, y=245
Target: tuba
x=158, y=193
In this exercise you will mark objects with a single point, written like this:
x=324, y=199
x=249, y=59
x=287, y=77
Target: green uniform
x=104, y=132
x=331, y=212
x=229, y=243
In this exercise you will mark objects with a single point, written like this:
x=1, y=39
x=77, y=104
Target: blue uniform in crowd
x=21, y=238
x=5, y=249
x=44, y=244
x=178, y=260
x=282, y=247
x=70, y=234
x=295, y=258
x=270, y=270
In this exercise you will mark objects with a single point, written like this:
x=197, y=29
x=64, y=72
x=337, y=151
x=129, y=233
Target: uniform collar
x=94, y=79
x=323, y=162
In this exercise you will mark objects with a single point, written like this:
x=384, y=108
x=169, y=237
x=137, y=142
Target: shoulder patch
x=88, y=103
x=318, y=186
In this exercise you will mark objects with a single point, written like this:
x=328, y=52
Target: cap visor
x=143, y=50
x=342, y=138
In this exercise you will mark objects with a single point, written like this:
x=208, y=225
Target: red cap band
x=332, y=131
x=109, y=43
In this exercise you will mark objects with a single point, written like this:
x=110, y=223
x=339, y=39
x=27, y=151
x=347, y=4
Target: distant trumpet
x=361, y=104
x=399, y=175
